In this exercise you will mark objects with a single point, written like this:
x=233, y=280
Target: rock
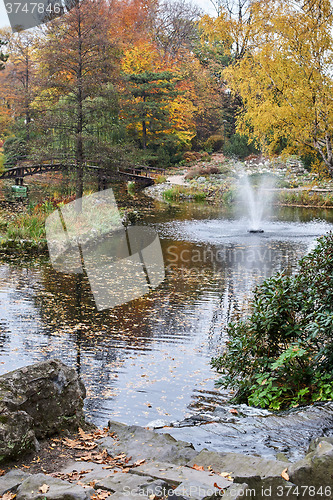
x=316, y=469
x=194, y=490
x=175, y=475
x=257, y=472
x=37, y=401
x=314, y=442
x=239, y=466
x=123, y=483
x=12, y=480
x=141, y=443
x=238, y=492
x=158, y=424
x=58, y=489
x=158, y=488
x=16, y=433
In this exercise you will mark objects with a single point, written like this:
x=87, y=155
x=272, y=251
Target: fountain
x=255, y=201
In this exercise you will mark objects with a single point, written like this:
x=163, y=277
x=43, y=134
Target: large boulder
x=35, y=402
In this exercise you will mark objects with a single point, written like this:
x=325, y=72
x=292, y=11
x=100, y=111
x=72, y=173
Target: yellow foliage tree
x=285, y=80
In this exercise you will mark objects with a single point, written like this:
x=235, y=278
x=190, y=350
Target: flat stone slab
x=123, y=483
x=124, y=496
x=141, y=443
x=58, y=489
x=242, y=468
x=12, y=480
x=193, y=490
x=175, y=475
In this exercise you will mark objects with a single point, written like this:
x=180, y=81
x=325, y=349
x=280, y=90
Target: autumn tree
x=3, y=57
x=286, y=83
x=175, y=28
x=77, y=61
x=20, y=75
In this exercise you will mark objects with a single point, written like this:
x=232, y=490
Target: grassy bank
x=177, y=193
x=25, y=231
x=306, y=198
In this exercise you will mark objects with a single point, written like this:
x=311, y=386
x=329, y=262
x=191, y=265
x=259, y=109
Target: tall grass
x=177, y=193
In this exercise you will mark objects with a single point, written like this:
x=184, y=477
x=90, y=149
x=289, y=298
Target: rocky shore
x=130, y=462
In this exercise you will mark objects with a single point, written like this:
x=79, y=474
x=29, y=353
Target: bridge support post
x=102, y=182
x=19, y=181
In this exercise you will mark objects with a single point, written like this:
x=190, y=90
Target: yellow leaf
x=44, y=489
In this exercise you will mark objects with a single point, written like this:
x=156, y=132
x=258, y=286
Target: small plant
x=160, y=179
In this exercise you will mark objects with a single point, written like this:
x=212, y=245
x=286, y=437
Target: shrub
x=214, y=143
x=282, y=355
x=160, y=179
x=191, y=156
x=199, y=171
x=238, y=146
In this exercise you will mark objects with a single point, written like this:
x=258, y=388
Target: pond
x=149, y=359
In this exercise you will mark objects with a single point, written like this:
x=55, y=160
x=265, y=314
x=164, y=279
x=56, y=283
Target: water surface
x=149, y=359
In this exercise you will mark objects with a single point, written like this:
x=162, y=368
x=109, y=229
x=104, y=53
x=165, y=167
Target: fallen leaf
x=198, y=467
x=217, y=486
x=44, y=489
x=8, y=496
x=2, y=472
x=285, y=475
x=139, y=462
x=233, y=411
x=85, y=436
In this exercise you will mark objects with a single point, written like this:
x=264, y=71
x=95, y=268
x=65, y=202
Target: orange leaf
x=217, y=486
x=233, y=411
x=198, y=467
x=285, y=475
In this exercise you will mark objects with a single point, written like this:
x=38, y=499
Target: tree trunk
x=79, y=129
x=144, y=135
x=325, y=151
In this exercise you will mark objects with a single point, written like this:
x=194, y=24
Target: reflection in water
x=149, y=358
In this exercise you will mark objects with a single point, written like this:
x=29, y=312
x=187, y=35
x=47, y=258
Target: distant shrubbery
x=282, y=355
x=198, y=171
x=214, y=143
x=237, y=146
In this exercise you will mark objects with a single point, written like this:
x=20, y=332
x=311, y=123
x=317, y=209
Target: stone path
x=169, y=469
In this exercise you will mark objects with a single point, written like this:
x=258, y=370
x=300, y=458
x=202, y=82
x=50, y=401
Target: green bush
x=282, y=355
x=238, y=146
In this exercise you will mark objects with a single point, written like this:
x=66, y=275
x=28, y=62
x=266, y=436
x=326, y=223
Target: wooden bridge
x=143, y=175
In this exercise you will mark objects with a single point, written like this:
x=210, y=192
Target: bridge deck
x=142, y=175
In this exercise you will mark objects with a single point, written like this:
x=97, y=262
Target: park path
x=179, y=180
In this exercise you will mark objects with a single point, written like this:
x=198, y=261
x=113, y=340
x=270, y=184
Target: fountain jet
x=255, y=201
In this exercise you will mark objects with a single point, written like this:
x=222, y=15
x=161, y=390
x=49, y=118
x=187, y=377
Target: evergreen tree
x=151, y=92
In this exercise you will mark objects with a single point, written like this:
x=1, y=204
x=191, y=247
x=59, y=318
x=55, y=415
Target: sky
x=206, y=5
